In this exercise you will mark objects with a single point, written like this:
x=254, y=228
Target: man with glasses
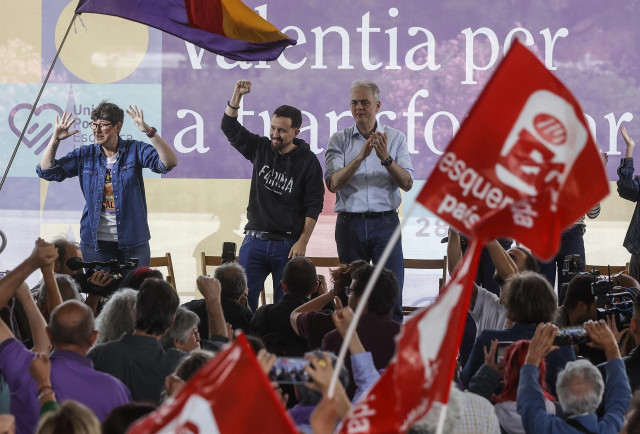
x=367, y=184
x=114, y=219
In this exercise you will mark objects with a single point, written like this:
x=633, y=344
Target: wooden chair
x=165, y=261
x=216, y=261
x=426, y=264
x=604, y=269
x=323, y=262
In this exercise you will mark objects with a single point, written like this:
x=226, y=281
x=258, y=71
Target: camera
x=228, y=252
x=571, y=336
x=615, y=301
x=114, y=268
x=290, y=370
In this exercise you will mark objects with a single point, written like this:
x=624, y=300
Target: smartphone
x=571, y=336
x=502, y=348
x=290, y=370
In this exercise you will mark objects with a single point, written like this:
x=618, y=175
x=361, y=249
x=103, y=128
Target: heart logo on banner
x=38, y=134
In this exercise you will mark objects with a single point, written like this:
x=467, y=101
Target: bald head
x=71, y=323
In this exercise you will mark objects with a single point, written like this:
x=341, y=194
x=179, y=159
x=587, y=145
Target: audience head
x=135, y=279
x=341, y=278
x=255, y=343
x=66, y=250
x=308, y=396
x=69, y=290
x=233, y=280
x=70, y=418
x=529, y=298
x=580, y=388
x=579, y=300
x=524, y=261
x=116, y=316
x=384, y=294
x=299, y=277
x=187, y=368
x=512, y=361
x=124, y=416
x=156, y=306
x=183, y=334
x=632, y=418
x=72, y=325
x=455, y=408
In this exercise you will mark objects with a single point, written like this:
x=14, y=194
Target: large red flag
x=423, y=366
x=523, y=165
x=230, y=394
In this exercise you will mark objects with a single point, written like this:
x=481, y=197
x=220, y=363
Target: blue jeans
x=109, y=250
x=366, y=238
x=259, y=258
x=572, y=243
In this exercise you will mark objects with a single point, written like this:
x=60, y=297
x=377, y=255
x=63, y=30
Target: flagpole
x=35, y=104
x=443, y=416
x=362, y=302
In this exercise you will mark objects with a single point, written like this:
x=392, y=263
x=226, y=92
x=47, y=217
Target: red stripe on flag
x=205, y=15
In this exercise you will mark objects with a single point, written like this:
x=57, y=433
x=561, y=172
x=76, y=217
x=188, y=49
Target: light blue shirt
x=371, y=189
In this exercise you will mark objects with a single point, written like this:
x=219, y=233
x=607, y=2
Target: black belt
x=368, y=215
x=265, y=236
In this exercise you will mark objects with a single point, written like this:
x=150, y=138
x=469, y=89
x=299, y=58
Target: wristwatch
x=387, y=162
x=152, y=132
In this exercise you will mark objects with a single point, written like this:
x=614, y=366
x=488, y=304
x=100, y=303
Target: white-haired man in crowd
x=580, y=386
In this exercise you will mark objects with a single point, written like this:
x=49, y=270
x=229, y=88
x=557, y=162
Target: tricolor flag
x=230, y=394
x=225, y=27
x=523, y=165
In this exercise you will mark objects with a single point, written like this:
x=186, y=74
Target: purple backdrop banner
x=430, y=59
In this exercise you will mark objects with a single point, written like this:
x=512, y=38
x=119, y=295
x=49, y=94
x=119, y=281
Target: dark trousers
x=366, y=238
x=259, y=258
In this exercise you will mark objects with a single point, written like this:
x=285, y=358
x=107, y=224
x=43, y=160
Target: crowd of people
x=100, y=361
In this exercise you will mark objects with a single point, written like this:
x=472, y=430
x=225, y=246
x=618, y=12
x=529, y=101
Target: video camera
x=611, y=300
x=114, y=268
x=228, y=252
x=614, y=301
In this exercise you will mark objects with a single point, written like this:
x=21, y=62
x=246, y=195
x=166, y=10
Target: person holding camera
x=114, y=220
x=580, y=386
x=286, y=195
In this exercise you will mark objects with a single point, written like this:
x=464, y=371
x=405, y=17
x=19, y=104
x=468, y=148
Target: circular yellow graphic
x=106, y=49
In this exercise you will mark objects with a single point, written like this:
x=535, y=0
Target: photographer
x=580, y=386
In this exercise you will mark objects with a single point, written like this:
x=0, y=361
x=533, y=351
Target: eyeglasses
x=95, y=126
